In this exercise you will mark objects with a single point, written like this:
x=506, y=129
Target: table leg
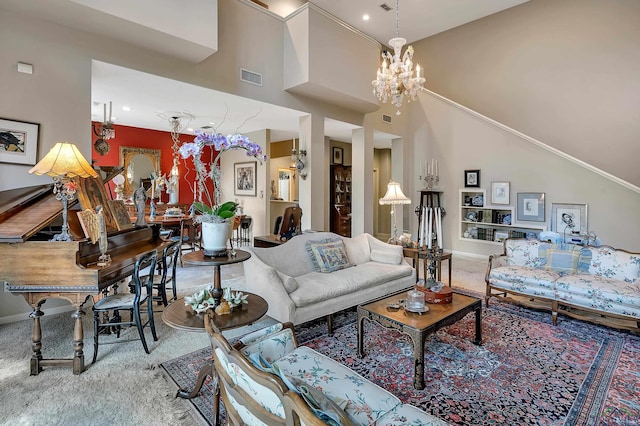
x=478, y=340
x=418, y=359
x=360, y=350
x=217, y=285
x=207, y=370
x=450, y=257
x=78, y=342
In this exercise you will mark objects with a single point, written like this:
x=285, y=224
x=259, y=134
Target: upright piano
x=39, y=269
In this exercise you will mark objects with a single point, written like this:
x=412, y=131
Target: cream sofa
x=287, y=278
x=268, y=379
x=601, y=280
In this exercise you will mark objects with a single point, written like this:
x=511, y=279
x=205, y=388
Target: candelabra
x=430, y=180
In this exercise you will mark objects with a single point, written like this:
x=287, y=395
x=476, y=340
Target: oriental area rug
x=526, y=372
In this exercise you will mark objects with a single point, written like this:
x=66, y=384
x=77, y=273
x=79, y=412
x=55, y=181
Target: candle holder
x=430, y=180
x=431, y=257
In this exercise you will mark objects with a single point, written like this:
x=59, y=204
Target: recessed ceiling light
x=365, y=17
x=126, y=108
x=114, y=118
x=190, y=129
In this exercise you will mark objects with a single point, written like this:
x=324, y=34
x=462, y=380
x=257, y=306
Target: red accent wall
x=154, y=139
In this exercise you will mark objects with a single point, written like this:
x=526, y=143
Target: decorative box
x=443, y=296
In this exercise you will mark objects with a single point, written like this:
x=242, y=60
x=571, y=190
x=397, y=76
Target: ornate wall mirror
x=286, y=184
x=138, y=164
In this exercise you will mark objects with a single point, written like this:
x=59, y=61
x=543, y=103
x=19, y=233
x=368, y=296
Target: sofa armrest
x=395, y=250
x=495, y=261
x=265, y=281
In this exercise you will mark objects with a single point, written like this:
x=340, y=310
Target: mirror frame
x=126, y=155
x=292, y=184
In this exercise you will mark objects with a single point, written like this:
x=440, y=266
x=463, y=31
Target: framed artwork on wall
x=499, y=192
x=569, y=219
x=472, y=178
x=245, y=178
x=337, y=155
x=530, y=206
x=18, y=142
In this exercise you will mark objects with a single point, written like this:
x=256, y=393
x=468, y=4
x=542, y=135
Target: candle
x=418, y=70
x=429, y=226
x=104, y=112
x=153, y=188
x=437, y=169
x=439, y=216
x=109, y=110
x=423, y=234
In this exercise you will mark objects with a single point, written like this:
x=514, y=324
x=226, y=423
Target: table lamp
x=393, y=197
x=64, y=162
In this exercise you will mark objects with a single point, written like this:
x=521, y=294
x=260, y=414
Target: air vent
x=250, y=77
x=386, y=118
x=385, y=7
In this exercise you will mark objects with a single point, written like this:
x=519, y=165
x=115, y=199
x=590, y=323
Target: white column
x=312, y=190
x=362, y=201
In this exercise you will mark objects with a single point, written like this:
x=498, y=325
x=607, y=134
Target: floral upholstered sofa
x=320, y=273
x=600, y=279
x=267, y=379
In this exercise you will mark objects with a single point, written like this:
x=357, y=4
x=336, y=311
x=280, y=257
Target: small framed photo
x=569, y=219
x=530, y=206
x=245, y=178
x=18, y=142
x=499, y=192
x=472, y=178
x=337, y=155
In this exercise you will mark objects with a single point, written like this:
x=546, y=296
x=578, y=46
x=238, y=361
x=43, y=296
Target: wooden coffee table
x=418, y=326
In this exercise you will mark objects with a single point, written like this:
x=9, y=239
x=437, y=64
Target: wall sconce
x=298, y=159
x=104, y=131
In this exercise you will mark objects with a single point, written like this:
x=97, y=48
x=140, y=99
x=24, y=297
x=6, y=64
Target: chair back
x=168, y=262
x=143, y=277
x=290, y=222
x=249, y=394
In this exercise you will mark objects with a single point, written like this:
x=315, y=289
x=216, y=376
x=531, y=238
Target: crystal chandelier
x=178, y=121
x=104, y=131
x=396, y=80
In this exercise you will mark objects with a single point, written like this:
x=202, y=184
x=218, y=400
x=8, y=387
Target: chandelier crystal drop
x=396, y=80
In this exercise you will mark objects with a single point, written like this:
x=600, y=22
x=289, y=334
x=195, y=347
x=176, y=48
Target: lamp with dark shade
x=64, y=162
x=393, y=197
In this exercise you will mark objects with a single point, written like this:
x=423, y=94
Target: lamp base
x=63, y=236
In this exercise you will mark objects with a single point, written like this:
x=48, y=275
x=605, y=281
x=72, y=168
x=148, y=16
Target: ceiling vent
x=250, y=77
x=385, y=7
x=386, y=118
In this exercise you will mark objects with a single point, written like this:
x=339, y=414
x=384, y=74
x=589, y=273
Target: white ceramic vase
x=215, y=237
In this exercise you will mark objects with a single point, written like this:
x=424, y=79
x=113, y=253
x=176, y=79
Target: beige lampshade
x=394, y=195
x=64, y=159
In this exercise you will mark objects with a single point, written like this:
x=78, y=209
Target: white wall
x=461, y=140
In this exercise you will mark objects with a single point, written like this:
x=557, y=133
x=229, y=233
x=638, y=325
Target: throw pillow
x=290, y=283
x=390, y=257
x=565, y=261
x=330, y=411
x=328, y=255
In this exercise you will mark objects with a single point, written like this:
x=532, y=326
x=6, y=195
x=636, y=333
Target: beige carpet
x=124, y=387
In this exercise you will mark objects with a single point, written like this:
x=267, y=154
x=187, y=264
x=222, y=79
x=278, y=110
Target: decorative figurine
x=140, y=197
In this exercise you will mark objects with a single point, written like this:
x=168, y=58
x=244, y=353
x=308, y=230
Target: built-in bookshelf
x=489, y=224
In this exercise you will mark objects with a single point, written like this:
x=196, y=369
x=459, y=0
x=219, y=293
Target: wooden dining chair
x=189, y=237
x=132, y=303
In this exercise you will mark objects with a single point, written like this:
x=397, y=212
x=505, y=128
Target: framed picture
x=569, y=219
x=245, y=174
x=91, y=194
x=472, y=178
x=337, y=155
x=499, y=192
x=18, y=142
x=120, y=213
x=530, y=206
